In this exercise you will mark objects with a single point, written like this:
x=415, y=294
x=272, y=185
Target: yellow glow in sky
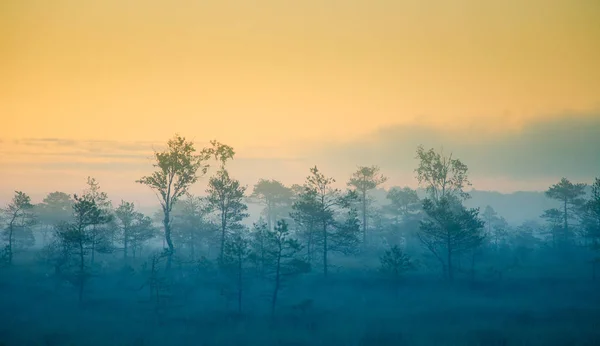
x=276, y=74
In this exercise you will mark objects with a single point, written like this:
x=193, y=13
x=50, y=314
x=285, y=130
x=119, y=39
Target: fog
x=322, y=261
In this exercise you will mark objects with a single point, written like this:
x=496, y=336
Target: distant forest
x=443, y=264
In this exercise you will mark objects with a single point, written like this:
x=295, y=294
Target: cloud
x=566, y=145
x=528, y=159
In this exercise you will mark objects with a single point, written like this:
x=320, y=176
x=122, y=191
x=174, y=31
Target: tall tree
x=305, y=213
x=570, y=196
x=404, y=206
x=592, y=215
x=176, y=170
x=282, y=258
x=192, y=229
x=233, y=259
x=275, y=197
x=495, y=226
x=77, y=239
x=226, y=198
x=364, y=180
x=323, y=202
x=591, y=221
x=449, y=228
x=101, y=235
x=134, y=227
x=19, y=220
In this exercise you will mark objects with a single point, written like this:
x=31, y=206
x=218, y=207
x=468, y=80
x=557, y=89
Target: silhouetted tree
x=177, y=169
x=449, y=228
x=394, y=263
x=275, y=197
x=19, y=218
x=134, y=228
x=236, y=252
x=320, y=202
x=305, y=213
x=56, y=207
x=282, y=258
x=77, y=239
x=570, y=196
x=495, y=226
x=101, y=235
x=191, y=227
x=404, y=208
x=364, y=180
x=225, y=197
x=258, y=243
x=591, y=222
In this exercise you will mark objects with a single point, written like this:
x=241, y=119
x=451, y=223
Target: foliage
x=276, y=198
x=364, y=180
x=20, y=219
x=176, y=170
x=442, y=175
x=395, y=263
x=226, y=199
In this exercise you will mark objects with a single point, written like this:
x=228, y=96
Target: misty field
x=352, y=307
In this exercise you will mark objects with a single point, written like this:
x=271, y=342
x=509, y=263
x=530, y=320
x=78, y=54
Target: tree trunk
x=276, y=290
x=566, y=222
x=167, y=224
x=125, y=243
x=364, y=215
x=9, y=248
x=239, y=284
x=81, y=267
x=325, y=249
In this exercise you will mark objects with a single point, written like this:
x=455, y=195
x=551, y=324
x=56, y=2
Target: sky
x=90, y=88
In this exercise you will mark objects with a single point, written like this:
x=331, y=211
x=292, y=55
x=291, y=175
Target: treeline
x=303, y=228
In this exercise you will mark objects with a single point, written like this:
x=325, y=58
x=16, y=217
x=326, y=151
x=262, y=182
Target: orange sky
x=268, y=76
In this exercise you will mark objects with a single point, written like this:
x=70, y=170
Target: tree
x=592, y=215
x=274, y=196
x=569, y=195
x=176, y=170
x=77, y=239
x=394, y=263
x=235, y=252
x=19, y=221
x=282, y=258
x=364, y=180
x=404, y=206
x=101, y=237
x=258, y=243
x=591, y=221
x=442, y=175
x=306, y=217
x=320, y=202
x=495, y=226
x=225, y=197
x=55, y=208
x=191, y=227
x=134, y=228
x=142, y=231
x=449, y=228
